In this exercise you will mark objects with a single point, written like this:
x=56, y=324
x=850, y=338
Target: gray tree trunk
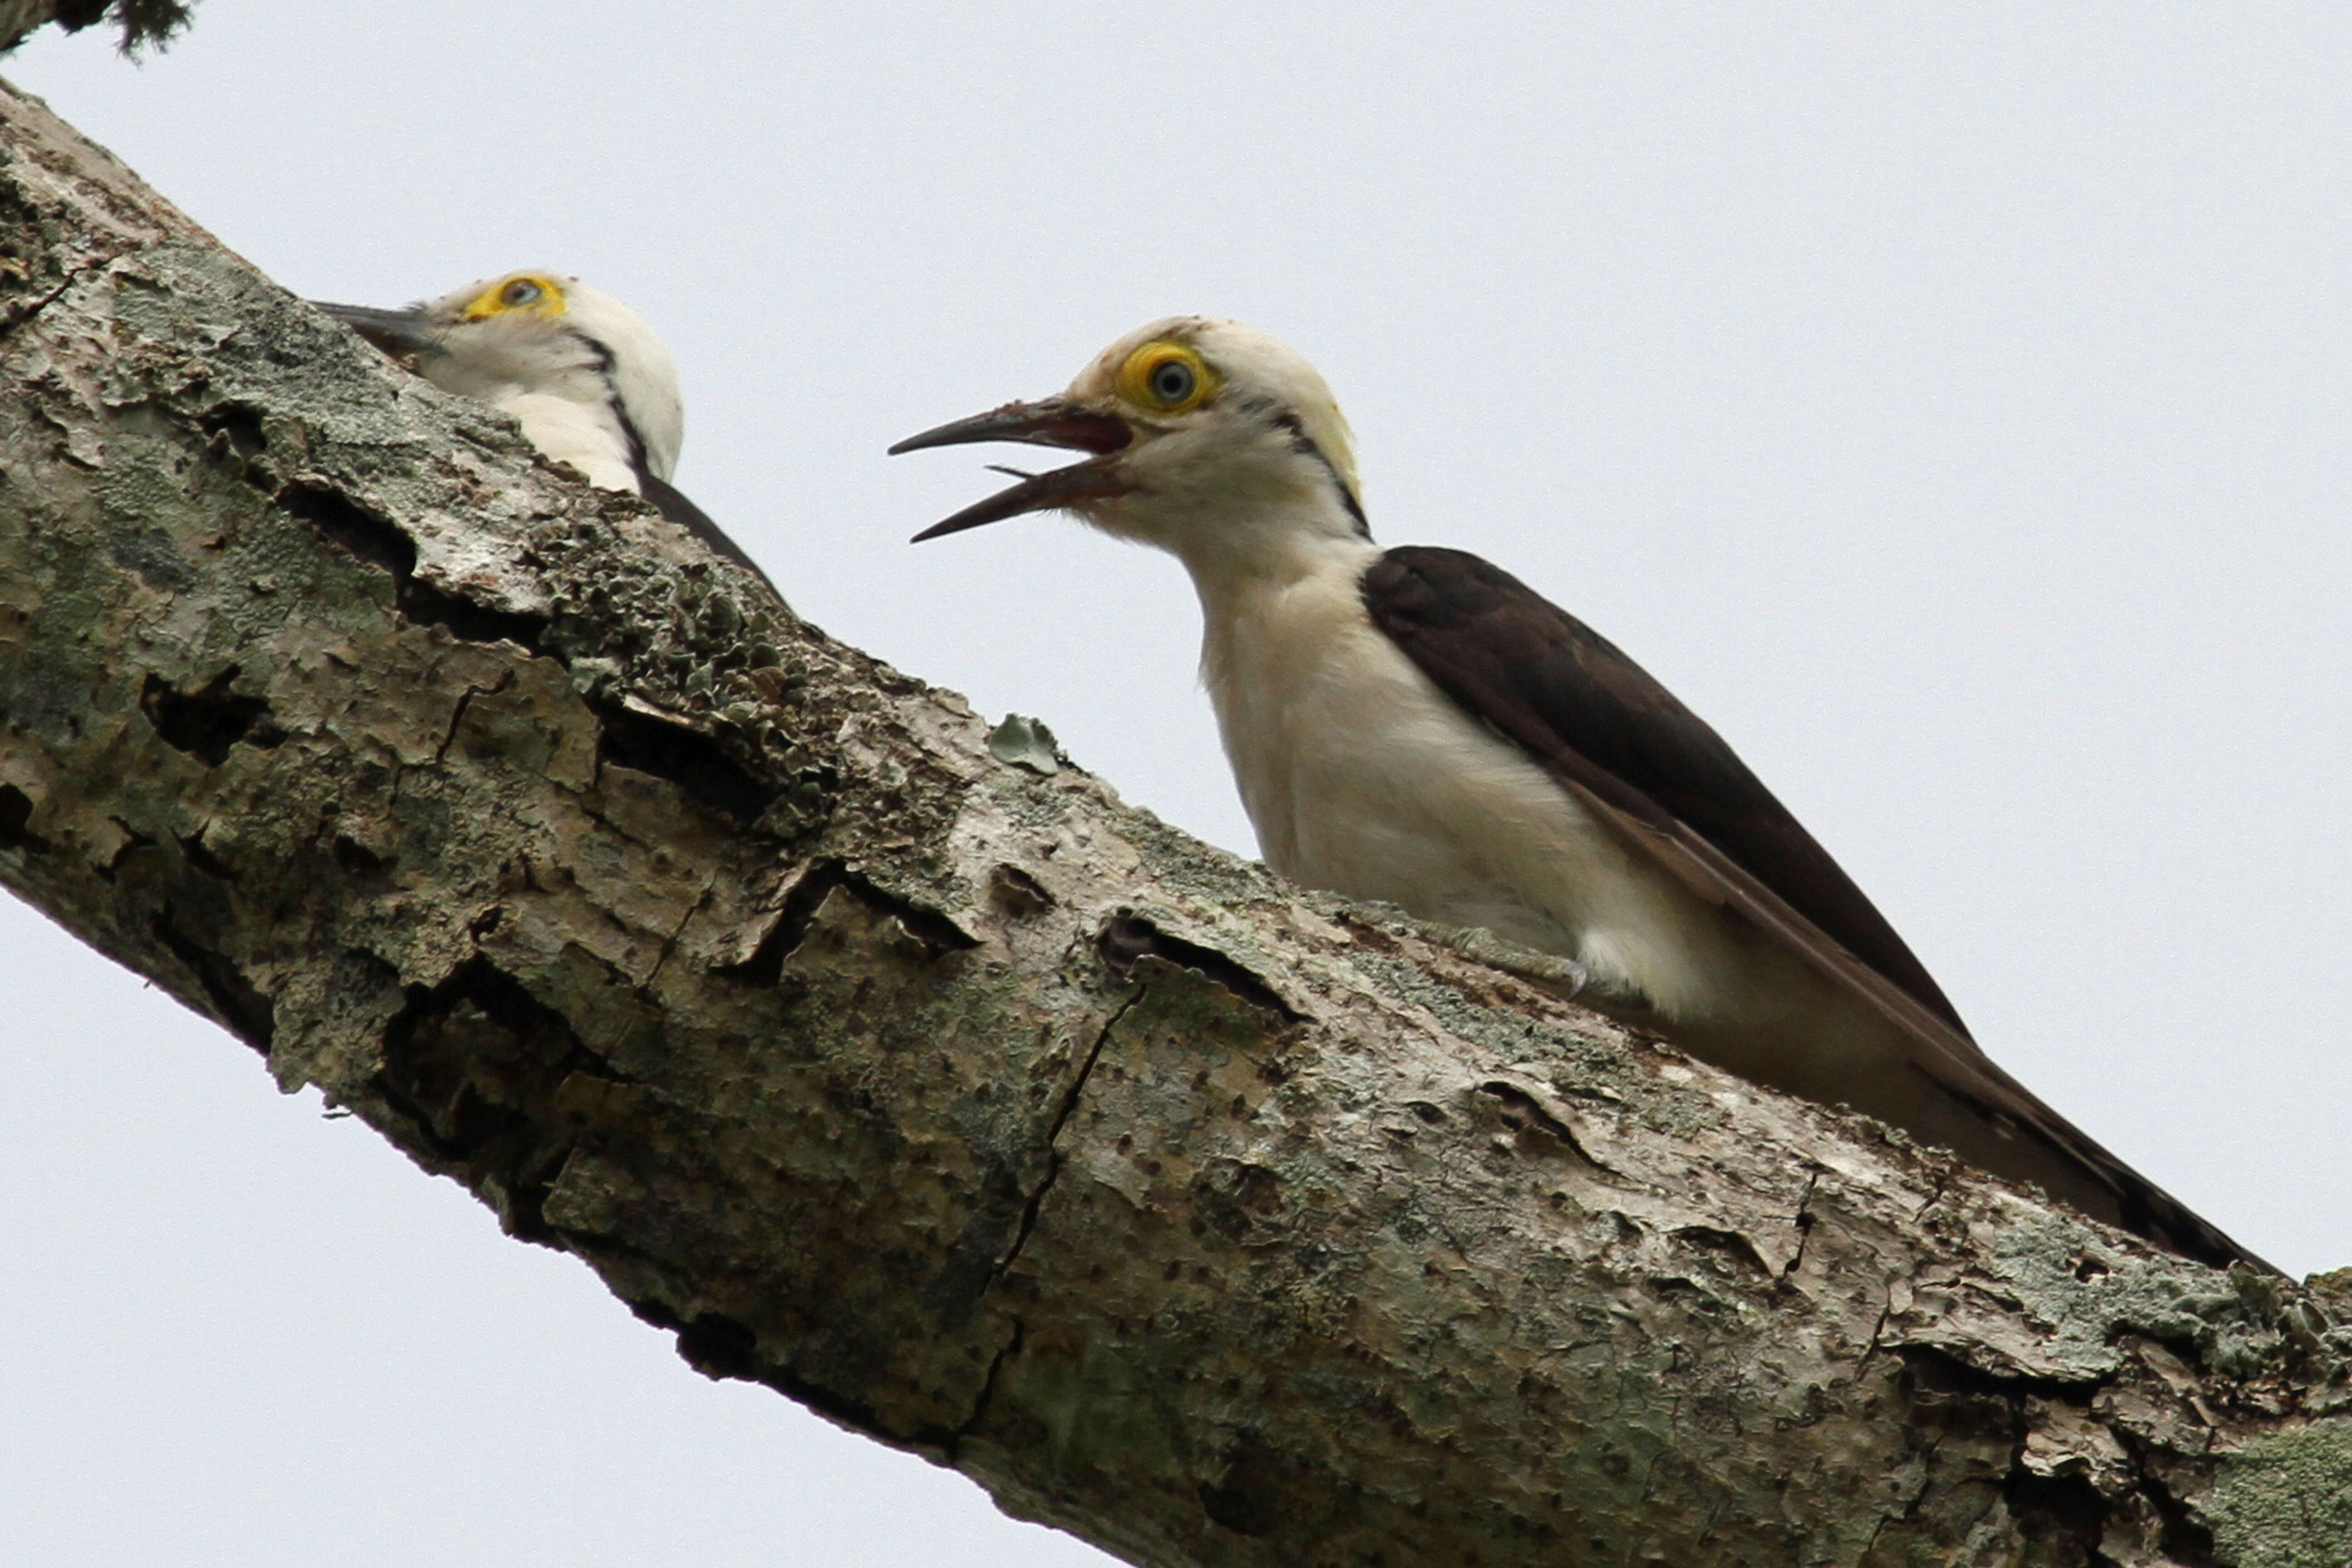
x=912, y=1074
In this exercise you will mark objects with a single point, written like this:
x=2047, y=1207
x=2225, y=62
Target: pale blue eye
x=1173, y=381
x=521, y=292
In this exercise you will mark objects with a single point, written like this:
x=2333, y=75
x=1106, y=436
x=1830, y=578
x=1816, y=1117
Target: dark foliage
x=145, y=24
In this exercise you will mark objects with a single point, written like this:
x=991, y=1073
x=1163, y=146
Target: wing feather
x=1648, y=766
x=1565, y=692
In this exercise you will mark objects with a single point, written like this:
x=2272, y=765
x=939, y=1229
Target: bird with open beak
x=1418, y=726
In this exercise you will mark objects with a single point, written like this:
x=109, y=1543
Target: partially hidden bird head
x=1206, y=438
x=532, y=342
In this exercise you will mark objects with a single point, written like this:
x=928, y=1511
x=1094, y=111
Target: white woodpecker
x=1418, y=726
x=585, y=375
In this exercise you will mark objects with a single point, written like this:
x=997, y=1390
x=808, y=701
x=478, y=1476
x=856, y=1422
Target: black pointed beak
x=1056, y=422
x=1093, y=480
x=399, y=333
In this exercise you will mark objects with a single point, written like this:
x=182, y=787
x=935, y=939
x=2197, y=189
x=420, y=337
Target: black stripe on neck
x=602, y=359
x=1303, y=444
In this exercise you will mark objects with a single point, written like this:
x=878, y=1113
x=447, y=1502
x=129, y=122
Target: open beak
x=403, y=334
x=1055, y=422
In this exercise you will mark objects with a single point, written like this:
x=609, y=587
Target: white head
x=586, y=375
x=1210, y=439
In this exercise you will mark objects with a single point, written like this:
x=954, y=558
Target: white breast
x=1362, y=777
x=586, y=435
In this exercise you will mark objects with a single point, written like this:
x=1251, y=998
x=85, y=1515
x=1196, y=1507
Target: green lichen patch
x=2285, y=1500
x=2043, y=1263
x=1026, y=742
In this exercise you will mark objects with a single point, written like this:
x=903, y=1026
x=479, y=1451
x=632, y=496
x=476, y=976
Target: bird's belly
x=1385, y=819
x=1361, y=777
x=1430, y=812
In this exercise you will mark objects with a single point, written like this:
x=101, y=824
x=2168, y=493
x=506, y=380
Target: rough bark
x=900, y=1066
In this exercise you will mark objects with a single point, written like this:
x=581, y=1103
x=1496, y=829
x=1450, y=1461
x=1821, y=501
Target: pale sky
x=1947, y=401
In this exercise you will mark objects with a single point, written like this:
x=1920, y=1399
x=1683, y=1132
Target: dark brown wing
x=1651, y=768
x=1539, y=675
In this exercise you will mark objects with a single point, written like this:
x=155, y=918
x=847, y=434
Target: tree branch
x=1218, y=1223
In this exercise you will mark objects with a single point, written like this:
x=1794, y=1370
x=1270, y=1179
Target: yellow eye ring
x=522, y=291
x=1166, y=378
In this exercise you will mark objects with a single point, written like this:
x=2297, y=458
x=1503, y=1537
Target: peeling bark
x=927, y=1083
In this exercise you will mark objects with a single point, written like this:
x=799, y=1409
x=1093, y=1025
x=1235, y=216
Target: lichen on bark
x=1217, y=1222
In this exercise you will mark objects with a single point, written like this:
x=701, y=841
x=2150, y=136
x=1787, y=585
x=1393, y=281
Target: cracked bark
x=1217, y=1223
